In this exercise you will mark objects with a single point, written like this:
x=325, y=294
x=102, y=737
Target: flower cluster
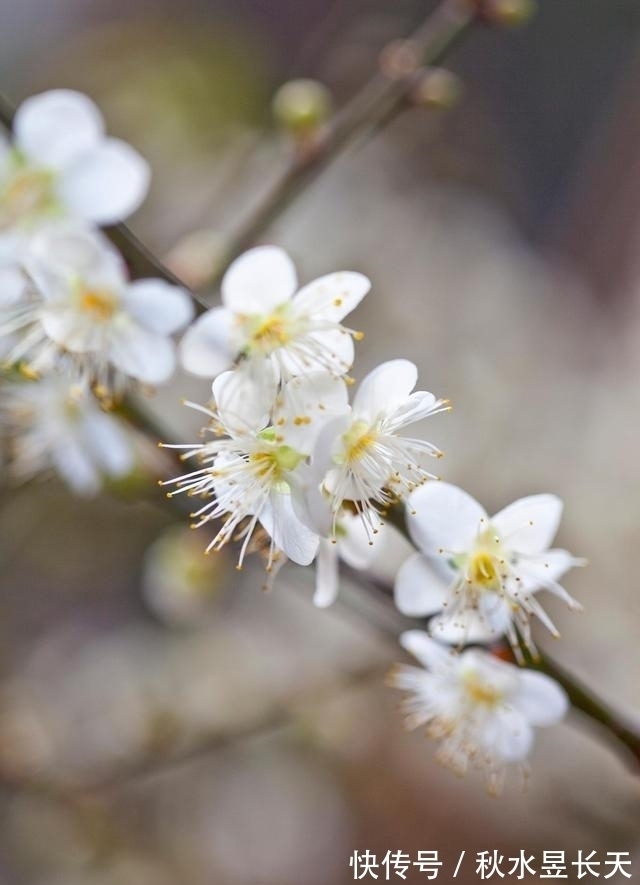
x=287, y=452
x=74, y=330
x=288, y=464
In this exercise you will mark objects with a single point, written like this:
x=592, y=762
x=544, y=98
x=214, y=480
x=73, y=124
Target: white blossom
x=253, y=470
x=52, y=425
x=482, y=710
x=265, y=319
x=61, y=165
x=480, y=574
x=361, y=457
x=81, y=310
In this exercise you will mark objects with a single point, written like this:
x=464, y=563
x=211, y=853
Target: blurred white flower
x=481, y=709
x=265, y=320
x=254, y=470
x=61, y=164
x=481, y=573
x=360, y=456
x=179, y=584
x=54, y=426
x=82, y=306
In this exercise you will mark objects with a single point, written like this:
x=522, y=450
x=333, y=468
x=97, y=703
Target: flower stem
x=585, y=702
x=376, y=104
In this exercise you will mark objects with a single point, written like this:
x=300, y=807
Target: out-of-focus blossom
x=482, y=710
x=82, y=308
x=481, y=573
x=61, y=164
x=361, y=456
x=52, y=425
x=269, y=323
x=253, y=471
x=179, y=584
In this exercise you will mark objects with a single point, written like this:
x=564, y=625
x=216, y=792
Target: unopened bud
x=302, y=106
x=437, y=88
x=508, y=13
x=399, y=59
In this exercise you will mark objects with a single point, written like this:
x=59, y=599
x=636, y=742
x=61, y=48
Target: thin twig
x=128, y=770
x=379, y=100
x=376, y=104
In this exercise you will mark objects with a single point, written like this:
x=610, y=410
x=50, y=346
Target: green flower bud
x=509, y=13
x=437, y=88
x=302, y=106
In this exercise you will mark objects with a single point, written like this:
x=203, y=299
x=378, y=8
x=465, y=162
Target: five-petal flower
x=266, y=320
x=53, y=425
x=253, y=471
x=361, y=456
x=82, y=309
x=61, y=165
x=482, y=710
x=478, y=574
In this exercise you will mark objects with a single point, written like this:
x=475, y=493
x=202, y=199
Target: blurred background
x=164, y=721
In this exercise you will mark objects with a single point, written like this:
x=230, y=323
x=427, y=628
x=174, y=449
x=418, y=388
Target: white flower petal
x=291, y=536
x=496, y=612
x=332, y=296
x=538, y=571
x=259, y=280
x=142, y=354
x=354, y=545
x=430, y=653
x=159, y=306
x=418, y=589
x=70, y=329
x=540, y=699
x=529, y=525
x=13, y=285
x=333, y=351
x=60, y=254
x=13, y=247
x=106, y=441
x=244, y=403
x=306, y=404
x=311, y=506
x=384, y=389
x=327, y=576
x=73, y=464
x=464, y=627
x=443, y=519
x=106, y=184
x=54, y=128
x=206, y=348
x=507, y=734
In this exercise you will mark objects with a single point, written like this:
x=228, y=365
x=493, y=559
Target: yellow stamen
x=481, y=692
x=99, y=303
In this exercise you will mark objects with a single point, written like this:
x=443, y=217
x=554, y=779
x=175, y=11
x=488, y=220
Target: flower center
x=269, y=332
x=71, y=409
x=28, y=192
x=357, y=440
x=479, y=692
x=100, y=304
x=276, y=461
x=483, y=570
